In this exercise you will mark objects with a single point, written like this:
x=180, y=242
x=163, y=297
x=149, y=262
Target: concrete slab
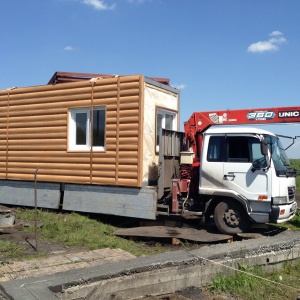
x=60, y=263
x=165, y=272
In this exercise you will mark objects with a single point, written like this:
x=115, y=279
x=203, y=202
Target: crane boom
x=200, y=121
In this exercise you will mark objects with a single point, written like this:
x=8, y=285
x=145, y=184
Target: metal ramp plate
x=188, y=234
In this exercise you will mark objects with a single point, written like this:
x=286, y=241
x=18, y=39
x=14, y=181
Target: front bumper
x=283, y=213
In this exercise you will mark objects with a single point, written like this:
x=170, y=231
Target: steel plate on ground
x=189, y=234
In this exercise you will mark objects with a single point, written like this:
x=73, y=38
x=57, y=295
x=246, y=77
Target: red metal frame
x=200, y=121
x=178, y=186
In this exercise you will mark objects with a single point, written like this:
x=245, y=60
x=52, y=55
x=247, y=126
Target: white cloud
x=68, y=48
x=178, y=86
x=276, y=39
x=275, y=33
x=262, y=47
x=99, y=4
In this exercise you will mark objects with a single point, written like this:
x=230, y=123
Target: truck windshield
x=281, y=162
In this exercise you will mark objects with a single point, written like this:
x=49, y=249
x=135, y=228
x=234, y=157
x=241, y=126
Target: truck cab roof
x=236, y=129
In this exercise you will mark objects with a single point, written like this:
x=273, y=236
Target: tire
x=230, y=217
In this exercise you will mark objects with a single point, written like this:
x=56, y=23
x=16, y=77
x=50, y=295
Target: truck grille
x=291, y=191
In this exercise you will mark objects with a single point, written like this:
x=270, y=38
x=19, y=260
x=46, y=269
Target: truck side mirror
x=262, y=163
x=264, y=147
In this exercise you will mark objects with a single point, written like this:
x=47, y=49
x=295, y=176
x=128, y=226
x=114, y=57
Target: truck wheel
x=230, y=217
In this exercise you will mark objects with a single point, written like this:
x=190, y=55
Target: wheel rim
x=231, y=218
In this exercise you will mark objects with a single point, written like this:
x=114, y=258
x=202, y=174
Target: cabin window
x=235, y=149
x=238, y=149
x=215, y=150
x=79, y=137
x=165, y=119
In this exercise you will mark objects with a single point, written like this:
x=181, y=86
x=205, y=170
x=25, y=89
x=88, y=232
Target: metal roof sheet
x=63, y=77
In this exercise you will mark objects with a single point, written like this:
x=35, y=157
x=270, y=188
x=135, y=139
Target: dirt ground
x=27, y=241
x=32, y=245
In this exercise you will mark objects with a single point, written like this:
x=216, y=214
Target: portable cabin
x=89, y=140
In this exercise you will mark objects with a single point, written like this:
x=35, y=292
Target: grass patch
x=295, y=163
x=284, y=285
x=73, y=229
x=9, y=249
x=293, y=224
x=298, y=181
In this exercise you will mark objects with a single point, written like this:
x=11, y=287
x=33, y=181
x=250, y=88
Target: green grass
x=73, y=229
x=298, y=180
x=294, y=224
x=296, y=165
x=283, y=284
x=9, y=249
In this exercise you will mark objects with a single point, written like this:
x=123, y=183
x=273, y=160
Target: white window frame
x=72, y=146
x=164, y=112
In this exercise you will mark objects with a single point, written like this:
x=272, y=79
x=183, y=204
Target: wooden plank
x=37, y=112
x=66, y=155
x=14, y=226
x=47, y=165
x=74, y=95
x=4, y=209
x=55, y=172
x=49, y=178
x=38, y=118
x=36, y=136
x=40, y=123
x=38, y=129
x=36, y=142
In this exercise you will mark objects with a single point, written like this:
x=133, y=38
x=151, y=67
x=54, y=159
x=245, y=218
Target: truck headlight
x=279, y=200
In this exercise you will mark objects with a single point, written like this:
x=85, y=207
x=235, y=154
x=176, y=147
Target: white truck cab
x=236, y=166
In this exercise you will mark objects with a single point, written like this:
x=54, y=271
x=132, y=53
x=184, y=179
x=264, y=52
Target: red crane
x=200, y=121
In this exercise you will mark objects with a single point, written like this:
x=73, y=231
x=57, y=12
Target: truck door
x=241, y=153
x=212, y=165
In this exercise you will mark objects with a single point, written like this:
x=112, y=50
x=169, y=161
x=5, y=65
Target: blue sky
x=221, y=54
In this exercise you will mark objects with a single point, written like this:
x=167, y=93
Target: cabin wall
x=34, y=133
x=155, y=97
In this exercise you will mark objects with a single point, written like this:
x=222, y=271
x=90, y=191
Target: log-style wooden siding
x=34, y=132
